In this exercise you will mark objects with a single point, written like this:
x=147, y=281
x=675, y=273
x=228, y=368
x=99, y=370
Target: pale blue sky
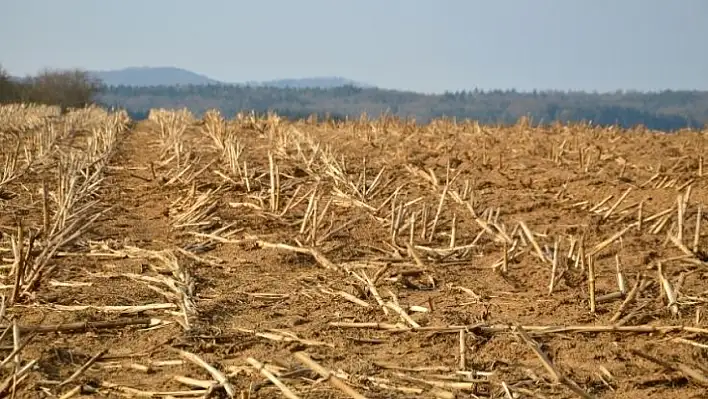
x=421, y=45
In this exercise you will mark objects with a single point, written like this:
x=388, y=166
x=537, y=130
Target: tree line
x=666, y=110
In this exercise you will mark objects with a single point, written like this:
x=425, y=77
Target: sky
x=421, y=45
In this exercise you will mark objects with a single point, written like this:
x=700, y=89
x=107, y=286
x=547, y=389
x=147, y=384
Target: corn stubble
x=452, y=235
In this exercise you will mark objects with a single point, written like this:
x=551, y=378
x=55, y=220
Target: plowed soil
x=447, y=315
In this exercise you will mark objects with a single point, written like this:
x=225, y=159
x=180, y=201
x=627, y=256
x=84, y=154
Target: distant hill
x=172, y=76
x=152, y=76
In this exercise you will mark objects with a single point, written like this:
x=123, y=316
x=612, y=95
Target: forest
x=666, y=110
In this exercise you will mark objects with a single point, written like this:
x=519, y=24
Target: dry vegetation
x=258, y=258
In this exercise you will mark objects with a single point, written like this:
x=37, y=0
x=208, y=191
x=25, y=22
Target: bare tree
x=72, y=88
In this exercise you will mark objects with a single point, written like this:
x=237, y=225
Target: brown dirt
x=244, y=290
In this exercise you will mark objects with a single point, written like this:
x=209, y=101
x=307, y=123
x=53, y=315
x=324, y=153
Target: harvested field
x=262, y=258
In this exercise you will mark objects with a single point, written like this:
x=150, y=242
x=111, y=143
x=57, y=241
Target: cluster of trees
x=67, y=88
x=666, y=110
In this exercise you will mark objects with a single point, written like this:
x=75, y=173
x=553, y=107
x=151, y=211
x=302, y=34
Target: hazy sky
x=429, y=46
